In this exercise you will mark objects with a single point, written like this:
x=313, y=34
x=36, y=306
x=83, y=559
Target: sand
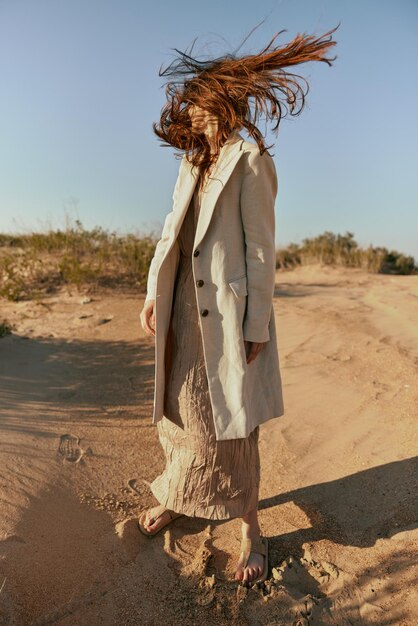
x=338, y=470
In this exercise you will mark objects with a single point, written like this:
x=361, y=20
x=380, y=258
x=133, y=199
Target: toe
x=154, y=523
x=148, y=520
x=239, y=573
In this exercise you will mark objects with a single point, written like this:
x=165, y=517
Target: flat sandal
x=259, y=546
x=161, y=509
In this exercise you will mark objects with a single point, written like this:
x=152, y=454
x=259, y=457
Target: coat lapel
x=228, y=157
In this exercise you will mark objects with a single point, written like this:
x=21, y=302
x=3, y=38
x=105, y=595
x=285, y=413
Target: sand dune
x=339, y=470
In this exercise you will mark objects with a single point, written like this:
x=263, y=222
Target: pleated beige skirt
x=202, y=477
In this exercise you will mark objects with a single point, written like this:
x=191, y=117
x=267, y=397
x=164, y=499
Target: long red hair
x=237, y=91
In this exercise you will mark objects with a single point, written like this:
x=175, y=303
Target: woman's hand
x=147, y=317
x=252, y=349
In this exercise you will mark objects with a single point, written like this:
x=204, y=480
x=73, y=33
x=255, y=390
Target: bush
x=39, y=263
x=42, y=262
x=5, y=329
x=343, y=250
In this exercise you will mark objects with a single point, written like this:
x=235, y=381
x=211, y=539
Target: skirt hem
x=212, y=512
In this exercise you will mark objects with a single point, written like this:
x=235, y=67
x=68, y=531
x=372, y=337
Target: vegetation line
x=36, y=264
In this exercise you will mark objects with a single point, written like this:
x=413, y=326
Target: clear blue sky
x=80, y=89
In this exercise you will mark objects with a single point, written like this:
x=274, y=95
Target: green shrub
x=5, y=329
x=343, y=250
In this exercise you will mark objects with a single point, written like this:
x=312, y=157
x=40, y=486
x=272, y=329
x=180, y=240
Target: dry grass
x=39, y=263
x=36, y=264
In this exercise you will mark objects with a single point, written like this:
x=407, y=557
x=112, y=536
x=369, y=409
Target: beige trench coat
x=234, y=275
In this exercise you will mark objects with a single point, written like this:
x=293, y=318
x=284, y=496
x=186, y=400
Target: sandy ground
x=339, y=469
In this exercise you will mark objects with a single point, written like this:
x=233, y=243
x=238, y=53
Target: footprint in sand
x=104, y=320
x=69, y=448
x=137, y=488
x=319, y=592
x=292, y=574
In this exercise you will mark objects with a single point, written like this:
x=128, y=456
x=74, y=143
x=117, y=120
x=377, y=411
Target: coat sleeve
x=258, y=194
x=157, y=258
x=160, y=248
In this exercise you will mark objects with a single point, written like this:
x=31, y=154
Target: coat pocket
x=239, y=285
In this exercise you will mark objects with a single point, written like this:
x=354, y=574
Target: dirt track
x=338, y=490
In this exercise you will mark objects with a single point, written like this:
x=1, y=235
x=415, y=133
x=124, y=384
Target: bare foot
x=159, y=522
x=250, y=529
x=254, y=566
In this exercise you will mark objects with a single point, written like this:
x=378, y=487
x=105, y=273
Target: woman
x=210, y=291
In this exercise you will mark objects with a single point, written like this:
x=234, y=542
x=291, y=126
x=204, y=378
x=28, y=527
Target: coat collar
x=229, y=154
x=233, y=137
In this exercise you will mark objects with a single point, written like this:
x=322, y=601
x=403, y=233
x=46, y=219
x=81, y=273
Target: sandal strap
x=252, y=545
x=159, y=510
x=162, y=509
x=175, y=515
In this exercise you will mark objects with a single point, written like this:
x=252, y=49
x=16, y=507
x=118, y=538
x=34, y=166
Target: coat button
x=196, y=253
x=200, y=283
x=204, y=312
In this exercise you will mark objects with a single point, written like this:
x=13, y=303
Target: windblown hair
x=237, y=91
